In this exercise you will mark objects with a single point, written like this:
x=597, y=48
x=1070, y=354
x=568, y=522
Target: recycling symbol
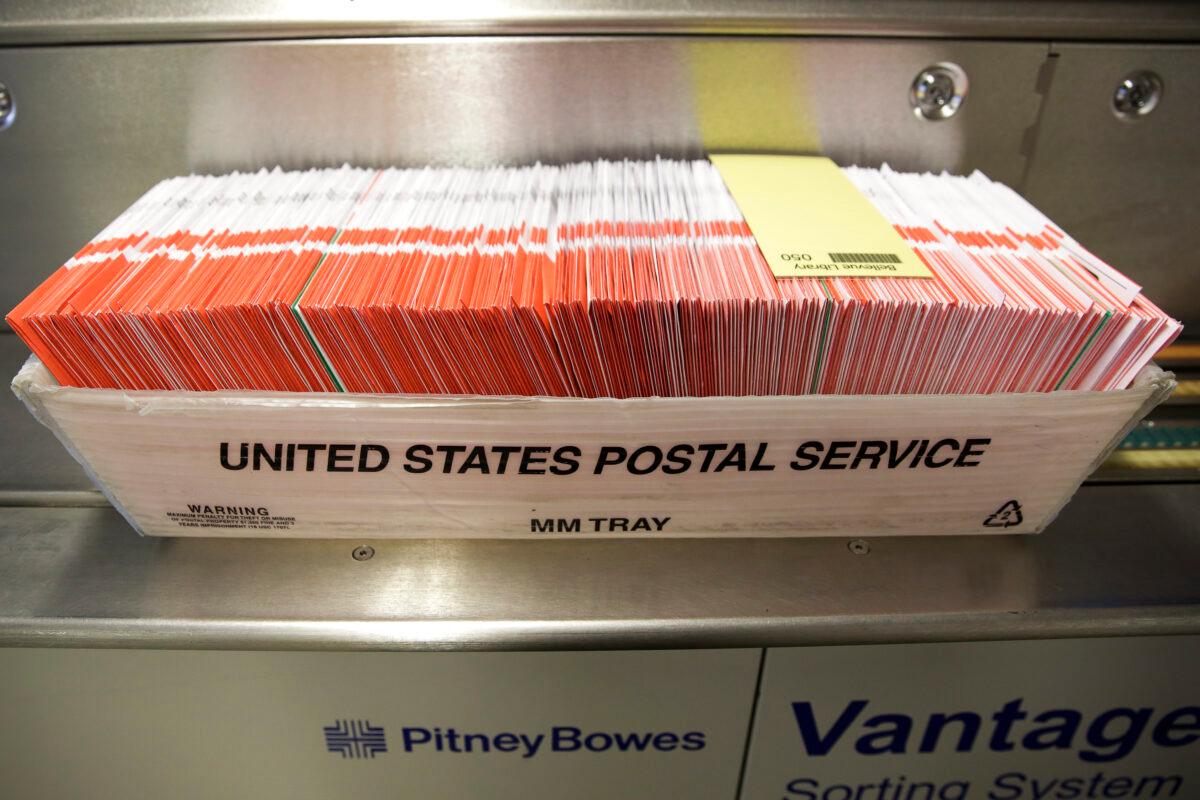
x=1006, y=516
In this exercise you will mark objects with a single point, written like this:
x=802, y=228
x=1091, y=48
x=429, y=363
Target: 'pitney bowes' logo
x=360, y=739
x=355, y=738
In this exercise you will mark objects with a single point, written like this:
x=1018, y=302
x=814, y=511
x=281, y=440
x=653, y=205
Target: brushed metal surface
x=34, y=21
x=1126, y=188
x=100, y=125
x=250, y=725
x=1119, y=561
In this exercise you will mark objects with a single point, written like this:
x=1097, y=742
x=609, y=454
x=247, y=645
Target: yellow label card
x=812, y=222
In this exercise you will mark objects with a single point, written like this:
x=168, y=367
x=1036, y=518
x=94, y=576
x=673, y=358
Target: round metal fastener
x=8, y=107
x=364, y=552
x=860, y=547
x=938, y=91
x=1137, y=95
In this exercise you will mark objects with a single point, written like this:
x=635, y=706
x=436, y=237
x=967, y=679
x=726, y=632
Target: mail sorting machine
x=1061, y=665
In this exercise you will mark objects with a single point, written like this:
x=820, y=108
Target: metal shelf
x=1121, y=560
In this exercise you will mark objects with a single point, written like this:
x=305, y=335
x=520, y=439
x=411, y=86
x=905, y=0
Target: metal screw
x=1137, y=94
x=8, y=107
x=860, y=547
x=364, y=552
x=938, y=91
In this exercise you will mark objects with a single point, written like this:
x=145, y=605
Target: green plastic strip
x=299, y=315
x=1107, y=316
x=821, y=344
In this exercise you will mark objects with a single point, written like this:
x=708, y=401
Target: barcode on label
x=864, y=258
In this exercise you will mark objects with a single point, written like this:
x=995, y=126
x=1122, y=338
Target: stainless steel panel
x=1126, y=189
x=35, y=21
x=1119, y=561
x=97, y=126
x=174, y=725
x=987, y=679
x=33, y=459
